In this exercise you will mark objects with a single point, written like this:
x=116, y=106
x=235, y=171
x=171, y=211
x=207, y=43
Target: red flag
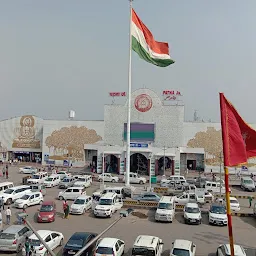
x=239, y=139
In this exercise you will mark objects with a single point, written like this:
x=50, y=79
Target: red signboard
x=171, y=95
x=117, y=94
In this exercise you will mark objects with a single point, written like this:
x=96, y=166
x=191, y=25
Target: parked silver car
x=67, y=182
x=13, y=238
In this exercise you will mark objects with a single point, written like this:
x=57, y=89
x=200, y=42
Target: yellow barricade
x=160, y=190
x=151, y=204
x=130, y=202
x=242, y=214
x=236, y=196
x=179, y=206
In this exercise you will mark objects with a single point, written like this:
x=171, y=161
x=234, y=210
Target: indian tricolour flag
x=145, y=45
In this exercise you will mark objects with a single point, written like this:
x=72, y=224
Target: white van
x=14, y=193
x=52, y=181
x=108, y=204
x=118, y=190
x=212, y=186
x=5, y=185
x=71, y=193
x=38, y=178
x=166, y=209
x=83, y=181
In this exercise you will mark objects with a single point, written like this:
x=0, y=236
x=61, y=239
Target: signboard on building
x=138, y=145
x=171, y=95
x=117, y=94
x=65, y=162
x=244, y=168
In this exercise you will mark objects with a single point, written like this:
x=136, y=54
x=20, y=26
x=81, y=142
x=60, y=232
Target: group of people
x=8, y=215
x=5, y=171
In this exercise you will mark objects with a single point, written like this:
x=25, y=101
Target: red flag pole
x=223, y=113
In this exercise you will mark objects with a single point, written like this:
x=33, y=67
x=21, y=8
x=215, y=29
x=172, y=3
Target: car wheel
x=61, y=197
x=61, y=242
x=100, y=180
x=41, y=202
x=25, y=206
x=110, y=215
x=113, y=181
x=9, y=201
x=141, y=182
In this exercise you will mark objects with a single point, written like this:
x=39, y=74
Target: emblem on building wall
x=26, y=134
x=143, y=103
x=68, y=142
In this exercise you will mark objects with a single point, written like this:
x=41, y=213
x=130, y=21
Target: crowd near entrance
x=24, y=156
x=139, y=164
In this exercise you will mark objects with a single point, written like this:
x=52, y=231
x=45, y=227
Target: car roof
x=246, y=178
x=113, y=188
x=76, y=187
x=13, y=229
x=42, y=233
x=53, y=175
x=146, y=241
x=33, y=193
x=21, y=186
x=81, y=235
x=107, y=242
x=109, y=195
x=239, y=250
x=192, y=205
x=48, y=203
x=180, y=243
x=233, y=198
x=83, y=197
x=38, y=173
x=217, y=205
x=166, y=199
x=6, y=183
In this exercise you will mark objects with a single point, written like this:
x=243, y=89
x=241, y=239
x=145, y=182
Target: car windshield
x=233, y=201
x=34, y=242
x=96, y=198
x=46, y=208
x=105, y=250
x=79, y=201
x=105, y=202
x=180, y=252
x=81, y=179
x=36, y=177
x=49, y=179
x=143, y=251
x=78, y=243
x=7, y=236
x=167, y=206
x=191, y=210
x=248, y=181
x=218, y=209
x=65, y=180
x=8, y=191
x=25, y=197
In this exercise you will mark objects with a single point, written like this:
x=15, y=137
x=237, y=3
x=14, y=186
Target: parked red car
x=47, y=212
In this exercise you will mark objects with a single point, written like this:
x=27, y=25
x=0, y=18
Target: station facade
x=160, y=139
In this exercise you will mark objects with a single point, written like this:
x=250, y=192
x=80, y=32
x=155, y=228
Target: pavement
x=207, y=238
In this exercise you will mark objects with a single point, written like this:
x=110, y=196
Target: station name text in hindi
x=117, y=94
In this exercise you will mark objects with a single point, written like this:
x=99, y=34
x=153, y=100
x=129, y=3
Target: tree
x=210, y=140
x=71, y=140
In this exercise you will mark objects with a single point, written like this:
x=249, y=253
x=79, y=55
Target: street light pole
x=103, y=169
x=220, y=171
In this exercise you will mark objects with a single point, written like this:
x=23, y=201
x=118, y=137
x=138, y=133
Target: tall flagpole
x=230, y=231
x=128, y=139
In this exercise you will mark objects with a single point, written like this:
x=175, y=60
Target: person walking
x=27, y=247
x=250, y=201
x=67, y=212
x=6, y=172
x=2, y=202
x=1, y=221
x=8, y=214
x=64, y=206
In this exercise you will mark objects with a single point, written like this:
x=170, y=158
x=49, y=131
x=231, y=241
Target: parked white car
x=234, y=203
x=108, y=204
x=52, y=238
x=27, y=170
x=14, y=193
x=108, y=177
x=63, y=174
x=110, y=246
x=192, y=214
x=29, y=199
x=183, y=247
x=81, y=205
x=52, y=181
x=83, y=181
x=71, y=193
x=38, y=178
x=135, y=178
x=218, y=215
x=224, y=250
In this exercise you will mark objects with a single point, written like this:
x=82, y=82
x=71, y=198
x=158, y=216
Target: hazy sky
x=61, y=55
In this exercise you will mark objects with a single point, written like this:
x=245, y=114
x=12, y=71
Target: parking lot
x=207, y=238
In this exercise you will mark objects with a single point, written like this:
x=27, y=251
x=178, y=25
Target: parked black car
x=77, y=241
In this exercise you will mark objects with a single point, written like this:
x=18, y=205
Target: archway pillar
x=118, y=164
x=156, y=167
x=149, y=167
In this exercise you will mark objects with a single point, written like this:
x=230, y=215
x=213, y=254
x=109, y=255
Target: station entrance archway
x=139, y=164
x=111, y=164
x=164, y=161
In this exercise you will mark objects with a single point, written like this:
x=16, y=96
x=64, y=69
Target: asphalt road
x=207, y=238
